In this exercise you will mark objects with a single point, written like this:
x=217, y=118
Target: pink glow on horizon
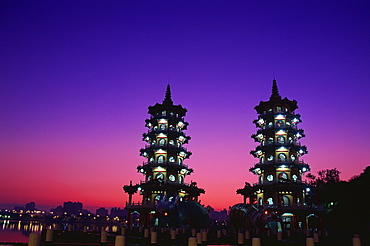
x=77, y=80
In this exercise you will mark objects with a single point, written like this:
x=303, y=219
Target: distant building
x=57, y=211
x=30, y=206
x=19, y=208
x=217, y=216
x=72, y=208
x=117, y=212
x=102, y=212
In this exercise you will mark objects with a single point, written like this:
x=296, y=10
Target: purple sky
x=77, y=78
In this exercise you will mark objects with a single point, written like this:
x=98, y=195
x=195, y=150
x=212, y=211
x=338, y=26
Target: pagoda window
x=149, y=177
x=287, y=123
x=270, y=110
x=270, y=158
x=162, y=141
x=151, y=159
x=164, y=113
x=282, y=157
x=270, y=178
x=159, y=176
x=281, y=139
x=290, y=139
x=270, y=140
x=157, y=198
x=295, y=177
x=270, y=201
x=162, y=126
x=171, y=159
x=160, y=159
x=171, y=142
x=155, y=128
x=283, y=176
x=279, y=123
x=270, y=124
x=292, y=157
x=171, y=113
x=285, y=200
x=260, y=201
x=286, y=109
x=278, y=109
x=172, y=178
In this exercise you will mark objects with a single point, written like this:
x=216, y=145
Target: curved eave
x=266, y=105
x=169, y=107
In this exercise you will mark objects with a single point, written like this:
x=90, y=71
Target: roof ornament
x=167, y=98
x=275, y=91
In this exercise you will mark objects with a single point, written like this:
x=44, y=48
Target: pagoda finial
x=275, y=91
x=167, y=98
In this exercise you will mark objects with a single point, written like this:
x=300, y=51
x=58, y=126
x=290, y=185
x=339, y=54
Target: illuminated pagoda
x=279, y=169
x=164, y=169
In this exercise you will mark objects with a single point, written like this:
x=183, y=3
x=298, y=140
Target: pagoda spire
x=167, y=98
x=275, y=91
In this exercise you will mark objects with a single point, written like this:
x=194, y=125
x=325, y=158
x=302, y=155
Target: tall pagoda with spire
x=279, y=167
x=164, y=169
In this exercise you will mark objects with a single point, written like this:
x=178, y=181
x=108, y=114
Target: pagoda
x=279, y=168
x=164, y=168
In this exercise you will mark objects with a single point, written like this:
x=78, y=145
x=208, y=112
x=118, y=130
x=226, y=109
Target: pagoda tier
x=164, y=168
x=279, y=168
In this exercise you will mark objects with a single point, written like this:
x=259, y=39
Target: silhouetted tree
x=348, y=203
x=325, y=177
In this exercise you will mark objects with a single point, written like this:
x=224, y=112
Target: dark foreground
x=137, y=237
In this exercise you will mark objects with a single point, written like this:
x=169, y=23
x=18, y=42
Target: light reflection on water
x=18, y=231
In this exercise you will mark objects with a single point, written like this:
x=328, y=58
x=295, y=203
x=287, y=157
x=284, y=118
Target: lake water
x=18, y=231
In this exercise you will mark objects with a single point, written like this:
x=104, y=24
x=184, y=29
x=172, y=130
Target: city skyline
x=78, y=77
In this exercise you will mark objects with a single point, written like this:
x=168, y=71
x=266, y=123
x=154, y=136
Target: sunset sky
x=77, y=77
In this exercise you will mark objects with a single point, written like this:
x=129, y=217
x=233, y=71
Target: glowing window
x=282, y=156
x=270, y=201
x=278, y=109
x=270, y=158
x=281, y=139
x=171, y=142
x=162, y=142
x=279, y=123
x=162, y=126
x=270, y=140
x=292, y=157
x=171, y=159
x=172, y=177
x=295, y=177
x=283, y=176
x=160, y=159
x=270, y=177
x=159, y=176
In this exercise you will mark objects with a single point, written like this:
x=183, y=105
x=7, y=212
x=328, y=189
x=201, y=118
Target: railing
x=167, y=145
x=294, y=143
x=280, y=182
x=281, y=162
x=165, y=163
x=193, y=184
